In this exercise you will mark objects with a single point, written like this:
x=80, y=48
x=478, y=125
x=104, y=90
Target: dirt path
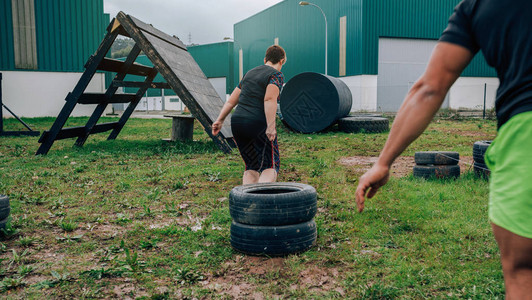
x=402, y=166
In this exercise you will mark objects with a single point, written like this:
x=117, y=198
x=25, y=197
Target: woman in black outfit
x=253, y=122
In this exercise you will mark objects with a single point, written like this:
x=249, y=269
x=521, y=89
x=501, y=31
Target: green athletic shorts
x=509, y=158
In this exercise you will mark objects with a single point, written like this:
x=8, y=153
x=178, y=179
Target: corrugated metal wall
x=67, y=32
x=424, y=19
x=355, y=18
x=7, y=55
x=301, y=31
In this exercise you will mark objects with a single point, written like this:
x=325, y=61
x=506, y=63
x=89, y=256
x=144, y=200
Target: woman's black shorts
x=258, y=152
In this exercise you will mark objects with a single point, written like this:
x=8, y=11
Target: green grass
x=142, y=218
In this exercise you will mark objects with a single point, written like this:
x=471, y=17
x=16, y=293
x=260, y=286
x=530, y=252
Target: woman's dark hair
x=274, y=54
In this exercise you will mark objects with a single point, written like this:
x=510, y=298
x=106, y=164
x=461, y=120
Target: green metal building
x=44, y=45
x=216, y=61
x=378, y=47
x=50, y=35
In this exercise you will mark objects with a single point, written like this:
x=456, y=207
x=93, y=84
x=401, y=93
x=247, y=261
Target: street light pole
x=304, y=3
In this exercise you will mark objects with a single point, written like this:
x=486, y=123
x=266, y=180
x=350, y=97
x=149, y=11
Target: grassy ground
x=141, y=218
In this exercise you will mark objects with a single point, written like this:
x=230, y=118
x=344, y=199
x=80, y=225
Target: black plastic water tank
x=311, y=102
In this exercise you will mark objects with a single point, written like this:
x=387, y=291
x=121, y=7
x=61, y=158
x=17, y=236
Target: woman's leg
x=268, y=175
x=250, y=176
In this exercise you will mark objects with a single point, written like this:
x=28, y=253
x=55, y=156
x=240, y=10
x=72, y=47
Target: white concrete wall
x=156, y=104
x=219, y=84
x=42, y=94
x=177, y=106
x=364, y=91
x=468, y=93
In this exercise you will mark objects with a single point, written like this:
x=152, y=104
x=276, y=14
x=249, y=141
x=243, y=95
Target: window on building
x=24, y=37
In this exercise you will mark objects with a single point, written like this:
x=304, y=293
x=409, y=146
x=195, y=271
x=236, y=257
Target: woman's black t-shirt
x=253, y=89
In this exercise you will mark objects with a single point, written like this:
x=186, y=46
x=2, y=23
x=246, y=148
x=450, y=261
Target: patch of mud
x=233, y=279
x=104, y=231
x=402, y=166
x=319, y=280
x=261, y=266
x=128, y=291
x=33, y=279
x=163, y=221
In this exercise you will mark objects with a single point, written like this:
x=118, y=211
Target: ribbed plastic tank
x=311, y=102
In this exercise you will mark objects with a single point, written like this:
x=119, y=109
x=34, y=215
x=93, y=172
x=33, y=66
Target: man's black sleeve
x=460, y=30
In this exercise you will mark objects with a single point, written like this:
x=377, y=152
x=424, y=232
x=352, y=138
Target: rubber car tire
x=5, y=209
x=436, y=158
x=481, y=170
x=437, y=171
x=273, y=240
x=365, y=124
x=3, y=223
x=479, y=150
x=273, y=204
x=366, y=115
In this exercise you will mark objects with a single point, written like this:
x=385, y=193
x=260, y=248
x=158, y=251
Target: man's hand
x=216, y=127
x=271, y=133
x=371, y=181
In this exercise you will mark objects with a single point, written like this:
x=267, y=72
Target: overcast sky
x=207, y=21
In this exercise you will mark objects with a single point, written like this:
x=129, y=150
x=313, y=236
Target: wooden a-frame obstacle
x=170, y=58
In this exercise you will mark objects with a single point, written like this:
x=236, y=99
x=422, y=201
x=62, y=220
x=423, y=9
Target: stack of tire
x=273, y=219
x=5, y=209
x=364, y=123
x=479, y=164
x=436, y=164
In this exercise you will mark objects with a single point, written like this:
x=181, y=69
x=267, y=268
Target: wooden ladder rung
x=115, y=65
x=103, y=127
x=140, y=84
x=67, y=133
x=97, y=98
